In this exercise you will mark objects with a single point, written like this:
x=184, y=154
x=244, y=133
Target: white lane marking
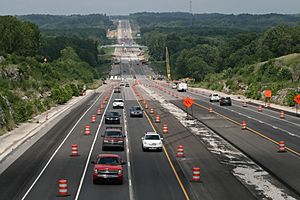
x=91, y=151
x=131, y=196
x=55, y=152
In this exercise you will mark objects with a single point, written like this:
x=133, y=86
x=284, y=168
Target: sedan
x=112, y=117
x=225, y=101
x=136, y=111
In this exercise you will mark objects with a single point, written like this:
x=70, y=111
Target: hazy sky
x=113, y=7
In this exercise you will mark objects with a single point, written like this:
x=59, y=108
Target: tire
x=144, y=149
x=94, y=182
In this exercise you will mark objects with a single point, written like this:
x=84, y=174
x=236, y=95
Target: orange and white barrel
x=259, y=108
x=101, y=106
x=62, y=188
x=151, y=111
x=157, y=119
x=196, y=174
x=99, y=111
x=180, y=152
x=93, y=118
x=281, y=115
x=165, y=128
x=244, y=125
x=210, y=109
x=146, y=106
x=282, y=147
x=74, y=150
x=244, y=104
x=87, y=130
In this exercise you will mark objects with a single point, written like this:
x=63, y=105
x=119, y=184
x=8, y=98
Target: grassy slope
x=252, y=80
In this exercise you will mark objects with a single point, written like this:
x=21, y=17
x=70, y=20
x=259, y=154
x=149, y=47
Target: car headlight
x=95, y=171
x=120, y=171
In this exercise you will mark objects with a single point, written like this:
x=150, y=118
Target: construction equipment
x=168, y=65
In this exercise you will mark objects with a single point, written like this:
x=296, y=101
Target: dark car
x=126, y=84
x=112, y=117
x=108, y=169
x=113, y=138
x=225, y=101
x=117, y=90
x=136, y=111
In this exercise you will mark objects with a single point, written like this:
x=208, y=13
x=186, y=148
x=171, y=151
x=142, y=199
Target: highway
x=214, y=142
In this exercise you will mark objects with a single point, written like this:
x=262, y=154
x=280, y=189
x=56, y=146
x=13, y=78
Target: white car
x=118, y=103
x=182, y=87
x=214, y=97
x=174, y=86
x=152, y=141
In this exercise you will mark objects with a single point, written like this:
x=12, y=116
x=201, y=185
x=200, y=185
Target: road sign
x=188, y=102
x=297, y=99
x=268, y=93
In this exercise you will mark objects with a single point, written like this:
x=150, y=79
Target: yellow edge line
x=166, y=153
x=250, y=129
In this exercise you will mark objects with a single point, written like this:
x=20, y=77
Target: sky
x=124, y=7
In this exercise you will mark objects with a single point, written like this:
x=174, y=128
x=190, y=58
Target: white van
x=182, y=87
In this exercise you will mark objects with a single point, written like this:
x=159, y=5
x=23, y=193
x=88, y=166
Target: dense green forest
x=246, y=22
x=92, y=26
x=204, y=52
x=28, y=85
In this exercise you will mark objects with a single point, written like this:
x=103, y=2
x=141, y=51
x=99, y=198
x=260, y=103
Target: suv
x=214, y=97
x=118, y=103
x=182, y=87
x=112, y=117
x=151, y=141
x=108, y=168
x=225, y=101
x=113, y=138
x=117, y=90
x=136, y=111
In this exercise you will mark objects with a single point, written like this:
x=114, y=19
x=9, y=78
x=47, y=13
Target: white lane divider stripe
x=55, y=152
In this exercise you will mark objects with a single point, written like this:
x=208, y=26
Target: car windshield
x=112, y=114
x=152, y=137
x=118, y=100
x=215, y=95
x=136, y=108
x=115, y=134
x=109, y=160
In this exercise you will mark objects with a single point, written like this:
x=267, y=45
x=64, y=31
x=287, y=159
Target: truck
x=182, y=87
x=108, y=168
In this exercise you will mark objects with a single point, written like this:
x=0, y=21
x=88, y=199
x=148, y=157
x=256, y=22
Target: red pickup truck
x=108, y=168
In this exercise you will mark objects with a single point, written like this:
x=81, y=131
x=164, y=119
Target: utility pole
x=191, y=12
x=168, y=65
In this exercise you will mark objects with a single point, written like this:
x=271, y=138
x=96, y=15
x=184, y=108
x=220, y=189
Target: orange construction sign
x=188, y=102
x=268, y=93
x=297, y=99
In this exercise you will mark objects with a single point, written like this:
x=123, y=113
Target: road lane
x=152, y=175
x=106, y=191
